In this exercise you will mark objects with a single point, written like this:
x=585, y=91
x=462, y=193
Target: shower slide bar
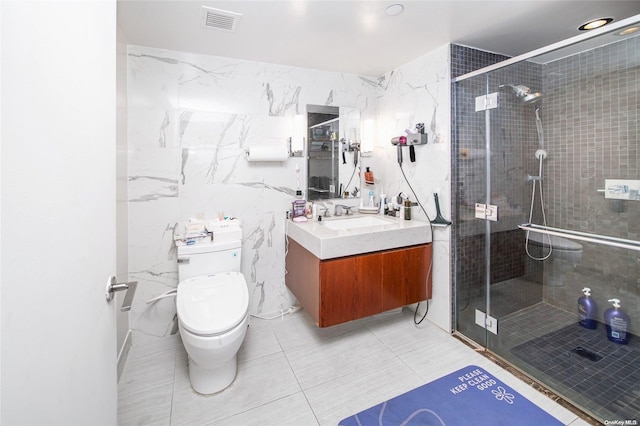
x=582, y=236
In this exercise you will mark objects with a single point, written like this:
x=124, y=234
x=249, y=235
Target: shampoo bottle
x=617, y=323
x=587, y=310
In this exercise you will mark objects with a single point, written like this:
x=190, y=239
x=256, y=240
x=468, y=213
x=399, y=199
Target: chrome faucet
x=340, y=207
x=325, y=209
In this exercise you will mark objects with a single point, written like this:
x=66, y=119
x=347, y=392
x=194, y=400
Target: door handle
x=113, y=285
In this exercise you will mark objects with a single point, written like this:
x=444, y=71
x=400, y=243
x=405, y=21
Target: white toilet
x=213, y=312
x=565, y=256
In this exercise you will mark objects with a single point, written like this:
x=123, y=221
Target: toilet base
x=207, y=381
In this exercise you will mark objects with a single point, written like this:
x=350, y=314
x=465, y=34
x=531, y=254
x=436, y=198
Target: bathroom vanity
x=353, y=267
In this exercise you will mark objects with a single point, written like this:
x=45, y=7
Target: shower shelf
x=582, y=236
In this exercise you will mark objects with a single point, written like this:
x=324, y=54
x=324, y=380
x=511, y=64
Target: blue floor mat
x=469, y=396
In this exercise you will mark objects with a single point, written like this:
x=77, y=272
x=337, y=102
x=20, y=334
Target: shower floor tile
x=608, y=381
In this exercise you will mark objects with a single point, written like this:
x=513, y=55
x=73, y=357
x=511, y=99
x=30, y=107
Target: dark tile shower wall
x=592, y=133
x=513, y=142
x=467, y=59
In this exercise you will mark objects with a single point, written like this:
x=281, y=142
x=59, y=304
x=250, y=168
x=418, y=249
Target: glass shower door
x=495, y=167
x=514, y=281
x=472, y=258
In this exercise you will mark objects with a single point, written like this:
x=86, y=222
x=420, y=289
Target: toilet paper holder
x=113, y=285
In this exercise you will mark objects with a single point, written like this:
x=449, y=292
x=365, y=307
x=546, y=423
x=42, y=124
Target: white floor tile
x=291, y=372
x=338, y=356
x=299, y=330
x=259, y=341
x=344, y=396
x=292, y=410
x=258, y=382
x=149, y=407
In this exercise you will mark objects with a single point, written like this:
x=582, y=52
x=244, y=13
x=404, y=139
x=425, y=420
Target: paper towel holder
x=296, y=141
x=295, y=152
x=267, y=153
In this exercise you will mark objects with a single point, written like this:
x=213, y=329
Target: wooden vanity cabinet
x=335, y=291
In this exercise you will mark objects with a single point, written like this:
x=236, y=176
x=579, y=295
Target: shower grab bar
x=583, y=236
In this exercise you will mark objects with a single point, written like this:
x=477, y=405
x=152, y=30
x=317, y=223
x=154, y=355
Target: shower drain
x=585, y=353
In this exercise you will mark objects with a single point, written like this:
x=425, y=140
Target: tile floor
x=292, y=373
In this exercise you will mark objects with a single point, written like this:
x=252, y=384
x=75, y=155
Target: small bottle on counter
x=407, y=209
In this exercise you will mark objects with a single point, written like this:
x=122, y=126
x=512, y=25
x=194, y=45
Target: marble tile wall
x=191, y=118
x=419, y=92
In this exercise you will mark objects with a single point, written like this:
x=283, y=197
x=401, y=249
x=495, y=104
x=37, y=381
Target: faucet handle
x=339, y=207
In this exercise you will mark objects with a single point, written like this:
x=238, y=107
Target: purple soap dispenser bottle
x=617, y=323
x=587, y=310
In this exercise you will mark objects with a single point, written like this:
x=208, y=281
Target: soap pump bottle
x=368, y=177
x=617, y=323
x=587, y=310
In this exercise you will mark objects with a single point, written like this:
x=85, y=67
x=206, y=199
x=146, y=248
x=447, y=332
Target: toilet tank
x=208, y=258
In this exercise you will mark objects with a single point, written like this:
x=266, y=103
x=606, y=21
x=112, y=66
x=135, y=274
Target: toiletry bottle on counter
x=368, y=176
x=383, y=204
x=299, y=211
x=407, y=209
x=299, y=208
x=587, y=310
x=617, y=323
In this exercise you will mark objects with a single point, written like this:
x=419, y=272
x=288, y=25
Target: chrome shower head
x=524, y=93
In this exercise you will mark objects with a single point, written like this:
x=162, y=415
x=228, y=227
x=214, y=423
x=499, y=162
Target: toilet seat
x=213, y=304
x=558, y=243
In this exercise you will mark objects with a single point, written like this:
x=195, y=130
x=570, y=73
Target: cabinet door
x=351, y=288
x=405, y=276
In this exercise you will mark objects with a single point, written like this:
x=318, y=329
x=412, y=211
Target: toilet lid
x=212, y=304
x=558, y=243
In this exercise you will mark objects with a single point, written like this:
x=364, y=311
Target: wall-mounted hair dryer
x=400, y=141
x=411, y=139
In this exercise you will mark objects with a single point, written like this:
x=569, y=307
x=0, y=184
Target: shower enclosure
x=546, y=165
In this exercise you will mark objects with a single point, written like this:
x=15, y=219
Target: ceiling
x=357, y=36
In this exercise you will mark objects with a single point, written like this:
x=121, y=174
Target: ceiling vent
x=218, y=19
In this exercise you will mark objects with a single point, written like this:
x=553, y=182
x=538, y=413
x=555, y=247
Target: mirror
x=333, y=140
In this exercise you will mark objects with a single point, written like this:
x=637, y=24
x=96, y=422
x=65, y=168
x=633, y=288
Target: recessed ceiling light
x=394, y=9
x=594, y=23
x=627, y=31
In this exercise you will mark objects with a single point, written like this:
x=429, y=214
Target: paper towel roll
x=268, y=153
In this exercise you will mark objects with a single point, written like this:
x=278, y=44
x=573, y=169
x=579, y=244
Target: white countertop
x=325, y=243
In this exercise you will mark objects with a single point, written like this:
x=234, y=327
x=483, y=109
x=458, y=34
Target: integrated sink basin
x=355, y=222
x=361, y=233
